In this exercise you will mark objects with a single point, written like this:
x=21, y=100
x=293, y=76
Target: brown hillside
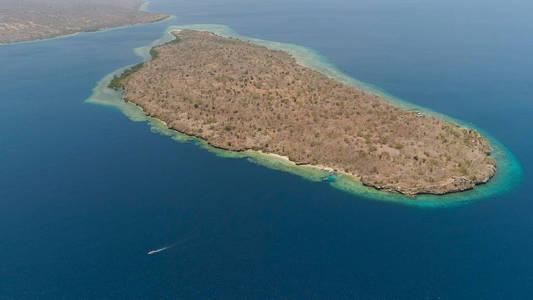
x=238, y=96
x=26, y=20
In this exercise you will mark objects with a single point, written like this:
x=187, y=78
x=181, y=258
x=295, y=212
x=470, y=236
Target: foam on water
x=507, y=177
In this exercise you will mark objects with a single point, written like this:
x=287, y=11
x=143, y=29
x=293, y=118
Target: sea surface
x=86, y=192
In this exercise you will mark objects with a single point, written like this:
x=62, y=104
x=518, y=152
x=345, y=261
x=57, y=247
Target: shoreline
x=455, y=183
x=142, y=7
x=508, y=176
x=268, y=154
x=329, y=170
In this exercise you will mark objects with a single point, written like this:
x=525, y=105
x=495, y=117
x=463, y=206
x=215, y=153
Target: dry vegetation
x=25, y=20
x=238, y=96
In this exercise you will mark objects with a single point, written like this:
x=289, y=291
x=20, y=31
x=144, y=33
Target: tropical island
x=239, y=96
x=41, y=19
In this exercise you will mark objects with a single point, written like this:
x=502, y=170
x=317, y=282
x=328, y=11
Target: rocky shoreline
x=408, y=152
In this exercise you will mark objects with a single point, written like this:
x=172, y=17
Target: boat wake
x=152, y=252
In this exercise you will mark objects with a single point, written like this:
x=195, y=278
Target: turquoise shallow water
x=509, y=170
x=86, y=193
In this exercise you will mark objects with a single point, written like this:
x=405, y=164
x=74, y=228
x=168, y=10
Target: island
x=240, y=96
x=27, y=20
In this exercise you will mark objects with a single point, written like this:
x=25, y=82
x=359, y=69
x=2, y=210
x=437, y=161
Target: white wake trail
x=152, y=252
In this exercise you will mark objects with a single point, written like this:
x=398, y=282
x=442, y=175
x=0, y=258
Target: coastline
x=327, y=171
x=383, y=172
x=285, y=159
x=344, y=181
x=142, y=7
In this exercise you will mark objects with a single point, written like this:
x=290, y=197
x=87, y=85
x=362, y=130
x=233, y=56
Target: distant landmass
x=26, y=20
x=240, y=96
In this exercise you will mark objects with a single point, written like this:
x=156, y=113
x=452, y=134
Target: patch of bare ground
x=239, y=96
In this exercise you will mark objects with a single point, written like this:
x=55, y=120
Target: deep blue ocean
x=85, y=192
